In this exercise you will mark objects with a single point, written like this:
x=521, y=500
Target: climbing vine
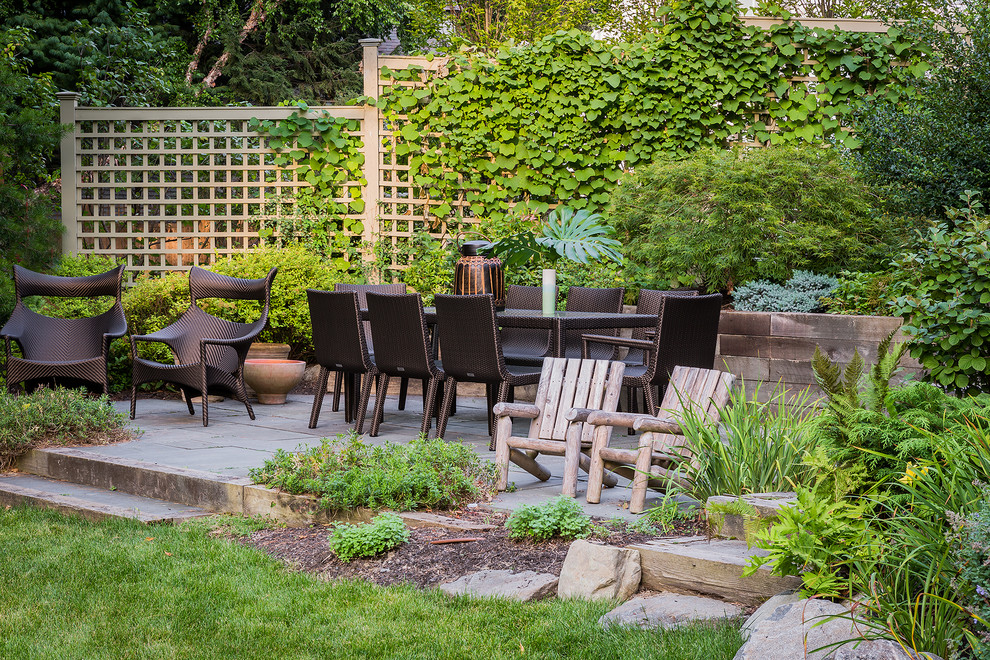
x=561, y=119
x=326, y=152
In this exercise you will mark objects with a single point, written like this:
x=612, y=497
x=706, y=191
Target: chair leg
x=321, y=390
x=642, y=477
x=204, y=398
x=503, y=429
x=379, y=413
x=428, y=404
x=503, y=393
x=242, y=392
x=348, y=393
x=651, y=406
x=448, y=399
x=572, y=460
x=337, y=378
x=133, y=398
x=403, y=389
x=362, y=410
x=596, y=471
x=188, y=394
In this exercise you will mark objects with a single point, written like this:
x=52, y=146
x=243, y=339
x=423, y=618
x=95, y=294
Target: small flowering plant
x=973, y=560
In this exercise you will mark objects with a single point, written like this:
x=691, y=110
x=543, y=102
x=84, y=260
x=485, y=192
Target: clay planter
x=268, y=351
x=272, y=379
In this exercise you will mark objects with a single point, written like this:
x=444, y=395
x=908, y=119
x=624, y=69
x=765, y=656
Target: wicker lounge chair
x=56, y=350
x=209, y=352
x=340, y=345
x=404, y=350
x=471, y=352
x=687, y=334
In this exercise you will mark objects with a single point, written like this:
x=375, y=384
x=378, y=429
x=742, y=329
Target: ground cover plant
x=803, y=292
x=55, y=417
x=385, y=532
x=117, y=588
x=345, y=473
x=561, y=516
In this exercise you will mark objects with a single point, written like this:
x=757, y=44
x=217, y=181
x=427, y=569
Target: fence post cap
x=67, y=96
x=368, y=42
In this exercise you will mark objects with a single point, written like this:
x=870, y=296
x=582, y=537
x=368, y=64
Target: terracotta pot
x=268, y=351
x=272, y=379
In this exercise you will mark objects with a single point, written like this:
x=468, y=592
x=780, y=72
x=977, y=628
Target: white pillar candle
x=549, y=291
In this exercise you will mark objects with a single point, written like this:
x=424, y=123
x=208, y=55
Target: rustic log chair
x=686, y=335
x=565, y=383
x=661, y=444
x=471, y=352
x=362, y=292
x=57, y=350
x=404, y=351
x=209, y=352
x=341, y=346
x=524, y=346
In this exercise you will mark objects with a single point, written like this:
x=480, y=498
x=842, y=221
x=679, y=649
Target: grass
x=74, y=589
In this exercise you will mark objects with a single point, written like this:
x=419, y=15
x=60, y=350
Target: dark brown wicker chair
x=524, y=346
x=404, y=351
x=582, y=299
x=687, y=334
x=472, y=352
x=362, y=291
x=209, y=352
x=62, y=351
x=340, y=345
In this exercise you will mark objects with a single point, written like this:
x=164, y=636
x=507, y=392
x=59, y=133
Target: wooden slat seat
x=565, y=383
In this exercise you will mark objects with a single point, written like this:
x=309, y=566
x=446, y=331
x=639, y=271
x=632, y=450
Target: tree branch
x=256, y=18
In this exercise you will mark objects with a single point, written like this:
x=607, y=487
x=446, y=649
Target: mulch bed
x=424, y=564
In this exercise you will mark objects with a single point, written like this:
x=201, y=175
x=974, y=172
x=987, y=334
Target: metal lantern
x=475, y=273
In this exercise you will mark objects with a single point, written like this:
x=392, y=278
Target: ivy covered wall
x=561, y=119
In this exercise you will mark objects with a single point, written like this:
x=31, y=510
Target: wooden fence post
x=371, y=129
x=67, y=115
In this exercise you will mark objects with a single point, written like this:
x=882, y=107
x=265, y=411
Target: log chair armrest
x=525, y=410
x=657, y=425
x=602, y=418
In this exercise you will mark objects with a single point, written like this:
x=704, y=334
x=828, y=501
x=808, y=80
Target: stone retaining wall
x=774, y=347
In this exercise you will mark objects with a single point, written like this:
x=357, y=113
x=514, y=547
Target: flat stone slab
x=90, y=502
x=731, y=525
x=698, y=566
x=668, y=610
x=525, y=586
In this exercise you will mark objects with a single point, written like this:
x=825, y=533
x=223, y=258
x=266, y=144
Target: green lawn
x=74, y=589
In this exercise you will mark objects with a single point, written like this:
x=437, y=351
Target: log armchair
x=209, y=352
x=661, y=445
x=57, y=350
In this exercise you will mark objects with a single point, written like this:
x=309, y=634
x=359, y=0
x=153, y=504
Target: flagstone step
x=696, y=565
x=88, y=501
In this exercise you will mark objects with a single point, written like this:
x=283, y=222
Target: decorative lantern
x=475, y=273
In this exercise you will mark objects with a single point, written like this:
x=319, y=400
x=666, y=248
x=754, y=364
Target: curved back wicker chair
x=524, y=346
x=362, y=291
x=209, y=352
x=404, y=350
x=687, y=335
x=56, y=350
x=471, y=352
x=650, y=302
x=340, y=345
x=583, y=299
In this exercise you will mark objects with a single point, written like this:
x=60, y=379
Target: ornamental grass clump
x=345, y=473
x=55, y=417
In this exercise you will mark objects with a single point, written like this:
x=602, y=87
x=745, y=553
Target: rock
x=668, y=610
x=766, y=609
x=880, y=649
x=795, y=630
x=599, y=572
x=524, y=586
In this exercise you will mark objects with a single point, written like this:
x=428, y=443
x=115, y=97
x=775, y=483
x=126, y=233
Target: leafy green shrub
x=561, y=516
x=385, y=532
x=346, y=473
x=55, y=417
x=945, y=287
x=756, y=447
x=802, y=293
x=288, y=318
x=866, y=294
x=720, y=217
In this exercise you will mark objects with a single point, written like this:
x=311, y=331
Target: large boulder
x=599, y=572
x=524, y=586
x=668, y=610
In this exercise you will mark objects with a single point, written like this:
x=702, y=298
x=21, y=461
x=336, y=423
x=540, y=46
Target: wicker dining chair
x=209, y=351
x=471, y=352
x=524, y=346
x=341, y=346
x=583, y=299
x=404, y=351
x=59, y=350
x=362, y=292
x=686, y=335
